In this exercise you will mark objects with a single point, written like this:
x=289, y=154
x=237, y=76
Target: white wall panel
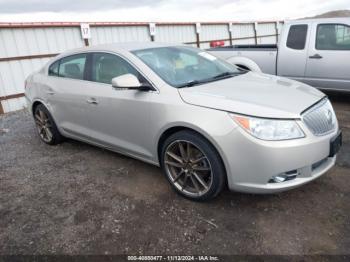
x=243, y=30
x=175, y=33
x=14, y=104
x=35, y=41
x=213, y=32
x=266, y=29
x=13, y=74
x=115, y=34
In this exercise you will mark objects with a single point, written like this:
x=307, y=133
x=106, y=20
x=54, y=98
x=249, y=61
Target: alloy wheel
x=188, y=168
x=44, y=125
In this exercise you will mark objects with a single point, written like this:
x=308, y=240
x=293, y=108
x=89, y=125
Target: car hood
x=254, y=94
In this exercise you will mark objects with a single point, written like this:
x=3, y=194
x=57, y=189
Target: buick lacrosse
x=205, y=122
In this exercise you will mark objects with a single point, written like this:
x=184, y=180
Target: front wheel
x=192, y=166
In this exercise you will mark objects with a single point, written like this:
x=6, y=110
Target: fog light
x=278, y=179
x=290, y=175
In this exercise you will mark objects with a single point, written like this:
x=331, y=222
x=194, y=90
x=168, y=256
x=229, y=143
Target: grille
x=320, y=118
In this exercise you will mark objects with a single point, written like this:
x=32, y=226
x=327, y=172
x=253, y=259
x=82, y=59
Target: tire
x=199, y=177
x=46, y=126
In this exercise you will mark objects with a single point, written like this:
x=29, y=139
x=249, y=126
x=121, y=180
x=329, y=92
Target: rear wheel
x=192, y=166
x=46, y=126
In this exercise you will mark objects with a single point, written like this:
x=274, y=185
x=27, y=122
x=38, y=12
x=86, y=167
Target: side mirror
x=129, y=81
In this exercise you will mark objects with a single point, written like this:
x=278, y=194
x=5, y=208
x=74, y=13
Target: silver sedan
x=205, y=122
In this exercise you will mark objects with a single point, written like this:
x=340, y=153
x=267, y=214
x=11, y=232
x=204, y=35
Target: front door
x=328, y=63
x=119, y=118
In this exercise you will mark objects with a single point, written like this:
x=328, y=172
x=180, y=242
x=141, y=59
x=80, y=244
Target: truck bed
x=245, y=47
x=263, y=55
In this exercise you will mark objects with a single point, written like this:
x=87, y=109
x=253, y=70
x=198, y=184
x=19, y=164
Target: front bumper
x=251, y=162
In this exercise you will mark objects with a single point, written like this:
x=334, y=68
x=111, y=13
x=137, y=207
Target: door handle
x=315, y=56
x=92, y=101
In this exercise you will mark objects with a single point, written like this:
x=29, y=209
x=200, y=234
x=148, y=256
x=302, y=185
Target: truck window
x=333, y=37
x=297, y=37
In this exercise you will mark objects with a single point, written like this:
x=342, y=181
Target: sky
x=163, y=10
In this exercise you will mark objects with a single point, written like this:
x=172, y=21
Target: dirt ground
x=79, y=199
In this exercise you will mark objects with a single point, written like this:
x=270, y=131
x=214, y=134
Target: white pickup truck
x=313, y=51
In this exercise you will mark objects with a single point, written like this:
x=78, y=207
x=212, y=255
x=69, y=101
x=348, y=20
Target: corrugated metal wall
x=265, y=30
x=25, y=48
x=17, y=42
x=175, y=33
x=115, y=34
x=245, y=32
x=219, y=31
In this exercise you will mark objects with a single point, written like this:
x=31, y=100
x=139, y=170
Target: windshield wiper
x=226, y=74
x=211, y=79
x=190, y=83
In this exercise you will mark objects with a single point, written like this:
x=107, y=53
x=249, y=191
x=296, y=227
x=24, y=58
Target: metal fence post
x=198, y=31
x=255, y=32
x=152, y=30
x=276, y=28
x=230, y=29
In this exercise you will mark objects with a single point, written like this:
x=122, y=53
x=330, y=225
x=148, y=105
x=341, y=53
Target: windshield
x=182, y=66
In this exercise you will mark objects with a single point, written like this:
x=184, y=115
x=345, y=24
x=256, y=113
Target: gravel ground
x=79, y=199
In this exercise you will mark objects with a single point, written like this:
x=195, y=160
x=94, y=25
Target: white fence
x=26, y=47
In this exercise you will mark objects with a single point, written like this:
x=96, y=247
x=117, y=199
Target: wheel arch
x=177, y=128
x=35, y=104
x=245, y=63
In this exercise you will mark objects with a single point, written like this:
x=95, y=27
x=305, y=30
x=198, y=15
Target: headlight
x=269, y=129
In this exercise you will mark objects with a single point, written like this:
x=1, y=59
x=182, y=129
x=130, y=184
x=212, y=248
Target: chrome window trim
x=156, y=90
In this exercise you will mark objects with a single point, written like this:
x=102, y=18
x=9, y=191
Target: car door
x=119, y=118
x=67, y=94
x=328, y=63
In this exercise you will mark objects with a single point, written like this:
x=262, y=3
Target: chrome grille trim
x=320, y=118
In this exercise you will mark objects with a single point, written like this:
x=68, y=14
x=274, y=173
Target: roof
x=129, y=46
x=319, y=20
x=117, y=47
x=125, y=46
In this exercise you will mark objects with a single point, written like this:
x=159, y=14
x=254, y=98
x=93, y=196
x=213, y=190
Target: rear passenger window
x=297, y=37
x=333, y=37
x=53, y=69
x=73, y=66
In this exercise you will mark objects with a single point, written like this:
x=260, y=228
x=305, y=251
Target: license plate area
x=335, y=144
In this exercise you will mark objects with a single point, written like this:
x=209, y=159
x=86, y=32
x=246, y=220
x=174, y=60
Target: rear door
x=292, y=51
x=67, y=94
x=328, y=63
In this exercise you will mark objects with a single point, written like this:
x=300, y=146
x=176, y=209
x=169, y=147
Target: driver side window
x=107, y=66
